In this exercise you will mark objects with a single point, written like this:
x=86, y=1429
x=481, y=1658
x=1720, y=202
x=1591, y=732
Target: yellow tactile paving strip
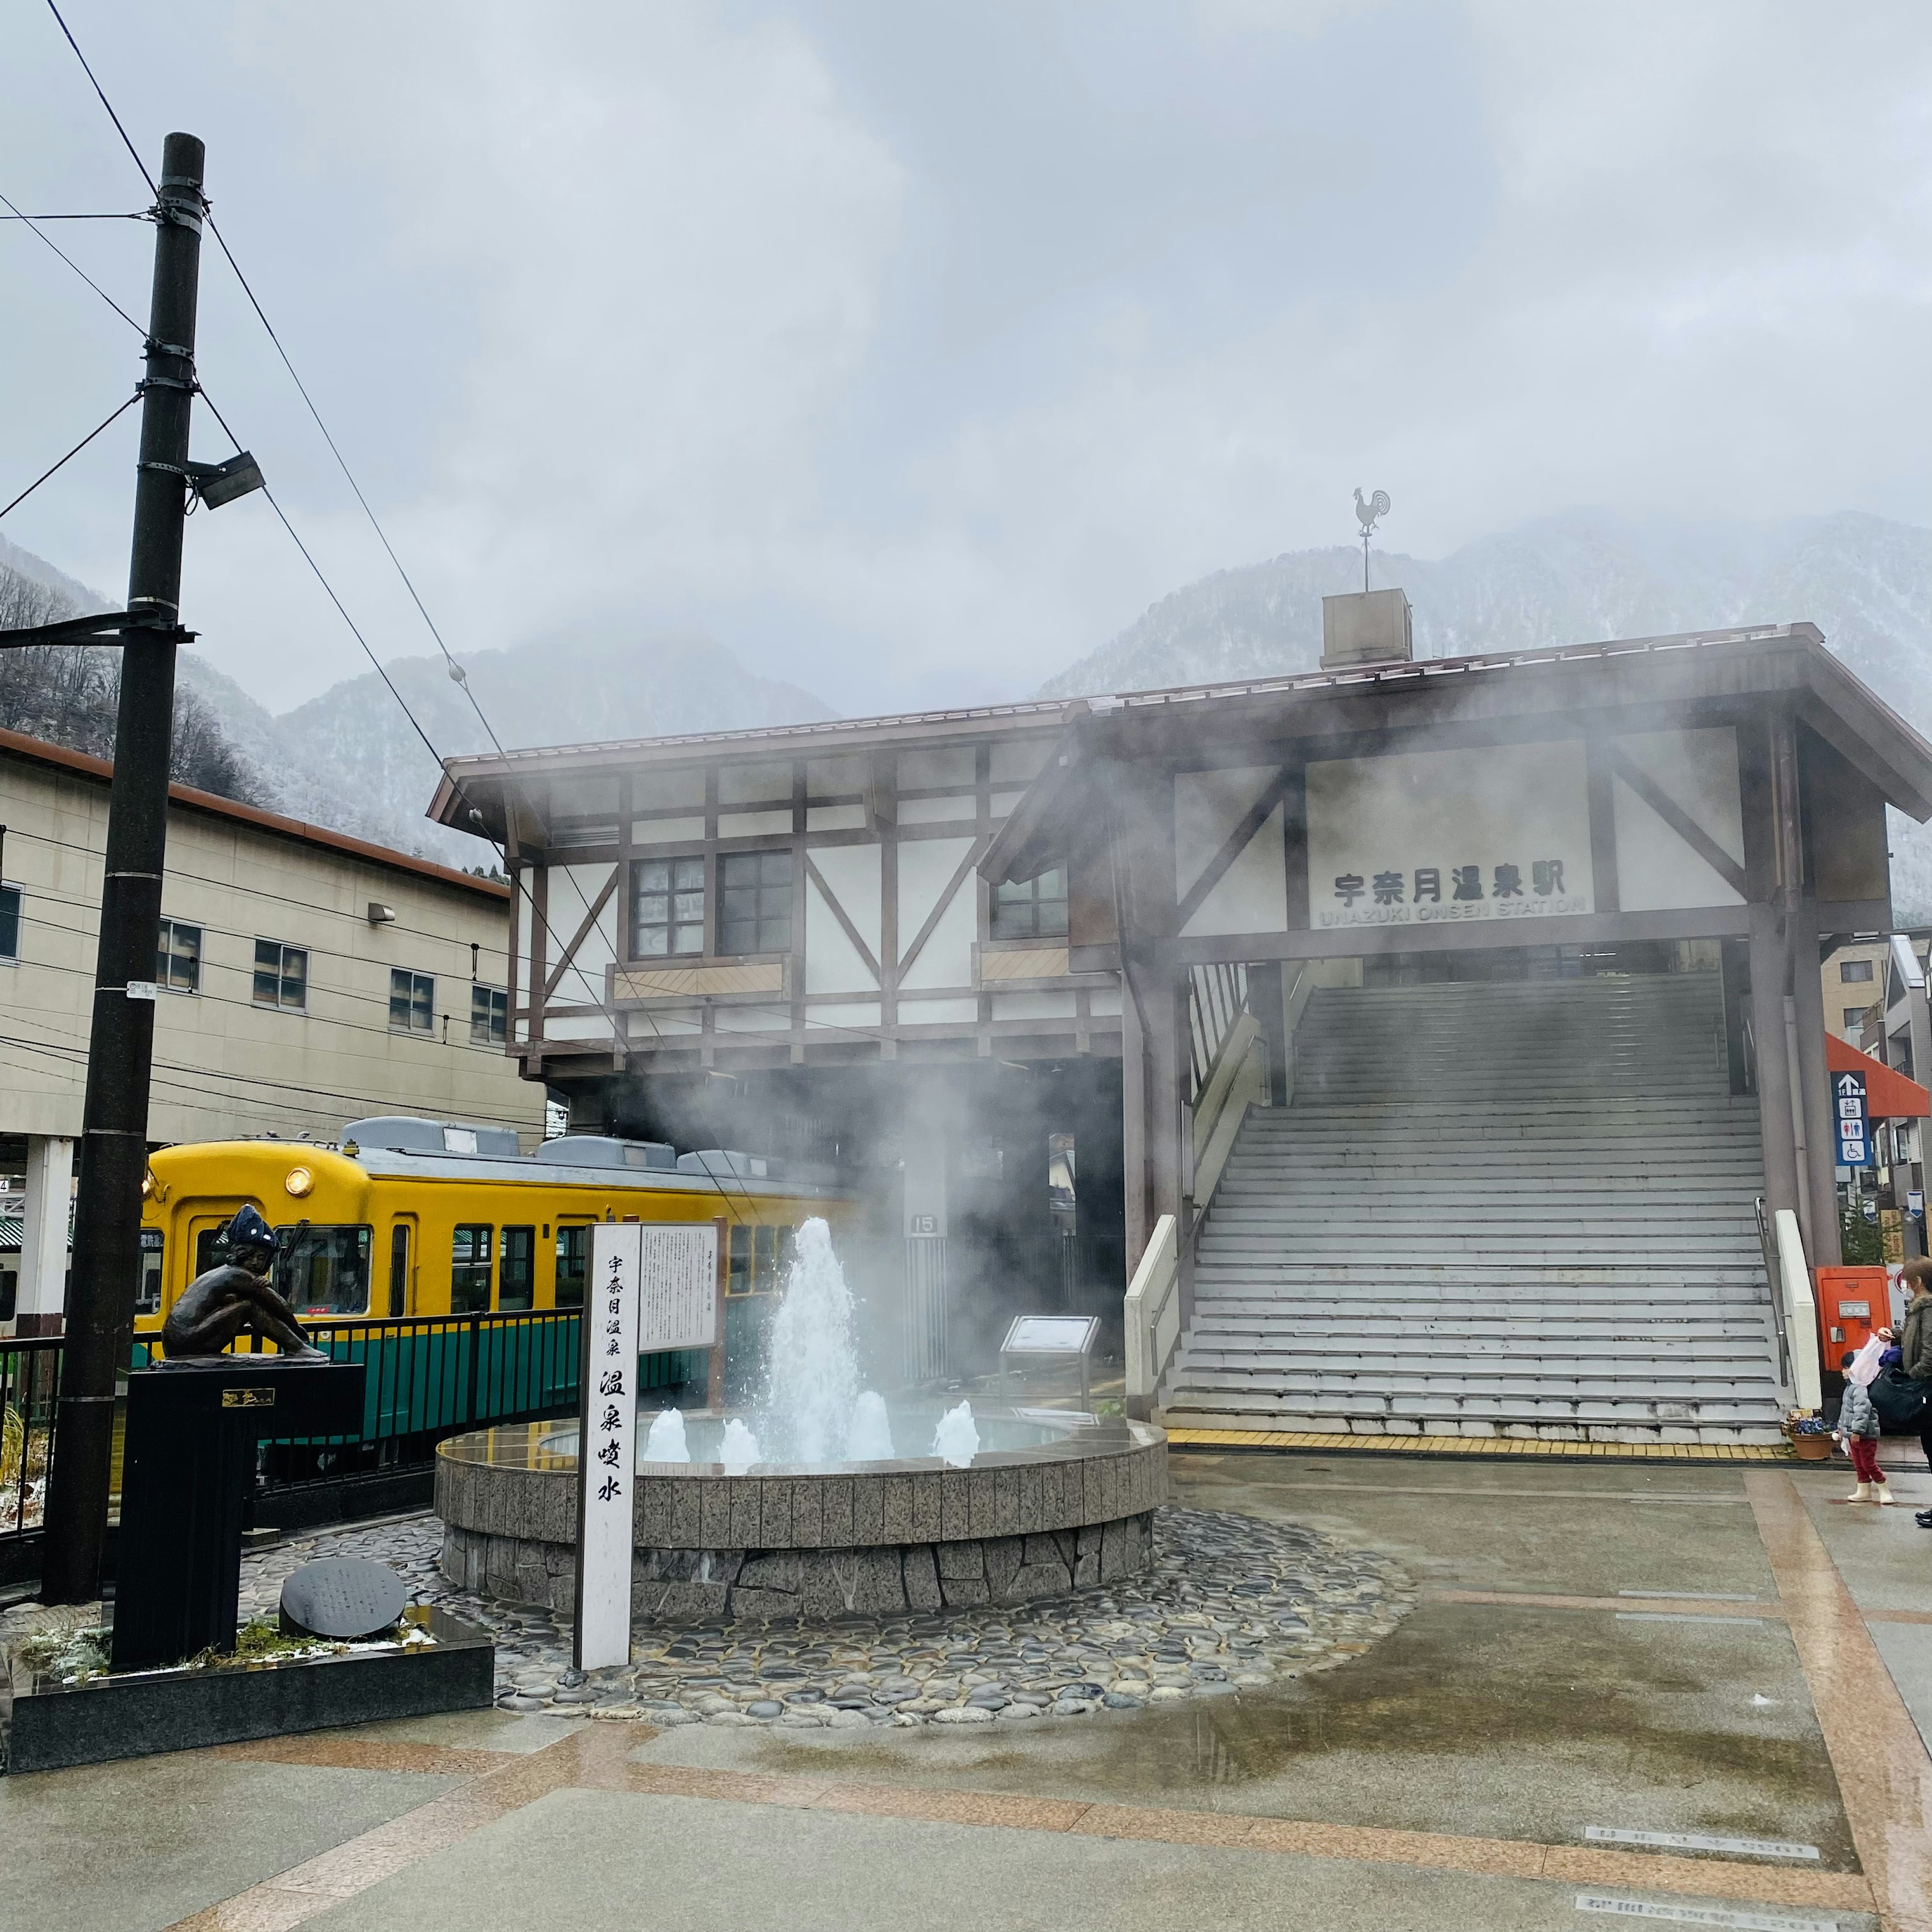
x=598, y=1758
x=1479, y=1445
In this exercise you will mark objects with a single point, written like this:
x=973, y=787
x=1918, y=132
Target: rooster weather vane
x=1369, y=515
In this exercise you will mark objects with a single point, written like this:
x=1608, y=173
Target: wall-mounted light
x=381, y=915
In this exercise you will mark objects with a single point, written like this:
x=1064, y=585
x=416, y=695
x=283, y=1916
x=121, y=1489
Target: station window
x=573, y=1265
x=9, y=921
x=489, y=1010
x=147, y=1294
x=281, y=975
x=754, y=902
x=517, y=1279
x=1854, y=972
x=411, y=1001
x=1031, y=908
x=667, y=907
x=469, y=1268
x=323, y=1270
x=178, y=957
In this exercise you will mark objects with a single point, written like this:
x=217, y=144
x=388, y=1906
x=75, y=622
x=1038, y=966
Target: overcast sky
x=912, y=349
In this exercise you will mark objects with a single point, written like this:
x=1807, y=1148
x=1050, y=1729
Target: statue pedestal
x=189, y=1462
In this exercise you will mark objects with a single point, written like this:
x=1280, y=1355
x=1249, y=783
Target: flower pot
x=1813, y=1448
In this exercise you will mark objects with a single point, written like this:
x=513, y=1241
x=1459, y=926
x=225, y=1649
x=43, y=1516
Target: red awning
x=1889, y=1096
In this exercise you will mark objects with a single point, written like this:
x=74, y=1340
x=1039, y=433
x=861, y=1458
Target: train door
x=573, y=1258
x=402, y=1256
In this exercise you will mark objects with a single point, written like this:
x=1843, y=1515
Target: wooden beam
x=1250, y=822
x=945, y=899
x=837, y=911
x=582, y=933
x=1680, y=821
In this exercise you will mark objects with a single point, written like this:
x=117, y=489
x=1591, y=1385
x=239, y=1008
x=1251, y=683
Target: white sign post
x=606, y=1449
x=651, y=1288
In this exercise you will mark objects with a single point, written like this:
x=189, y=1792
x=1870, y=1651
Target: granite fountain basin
x=1051, y=1502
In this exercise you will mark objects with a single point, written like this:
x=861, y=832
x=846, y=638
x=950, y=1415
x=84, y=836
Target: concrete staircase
x=1518, y=1209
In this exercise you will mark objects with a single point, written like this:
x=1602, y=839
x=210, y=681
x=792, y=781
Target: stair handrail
x=1773, y=1287
x=1802, y=1310
x=1151, y=1297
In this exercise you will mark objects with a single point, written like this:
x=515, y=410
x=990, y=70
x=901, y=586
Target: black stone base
x=137, y=1715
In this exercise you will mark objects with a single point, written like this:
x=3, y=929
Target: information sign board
x=677, y=1284
x=1848, y=1098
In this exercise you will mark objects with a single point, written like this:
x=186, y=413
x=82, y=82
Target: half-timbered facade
x=1137, y=916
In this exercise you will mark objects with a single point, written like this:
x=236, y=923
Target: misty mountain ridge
x=1865, y=581
x=350, y=760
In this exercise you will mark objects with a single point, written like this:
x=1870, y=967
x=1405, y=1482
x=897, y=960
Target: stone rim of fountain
x=810, y=1541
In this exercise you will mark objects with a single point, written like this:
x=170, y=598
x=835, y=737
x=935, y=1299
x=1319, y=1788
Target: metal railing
x=30, y=1370
x=431, y=1377
x=1217, y=996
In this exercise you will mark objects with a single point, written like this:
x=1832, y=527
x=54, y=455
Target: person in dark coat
x=1914, y=1352
x=234, y=1300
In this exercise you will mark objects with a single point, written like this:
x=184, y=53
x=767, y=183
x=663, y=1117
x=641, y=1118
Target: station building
x=303, y=978
x=1426, y=1042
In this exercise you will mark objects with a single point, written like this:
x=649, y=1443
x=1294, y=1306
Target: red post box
x=1852, y=1302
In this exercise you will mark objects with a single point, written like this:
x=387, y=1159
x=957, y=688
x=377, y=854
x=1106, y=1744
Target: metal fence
x=29, y=1403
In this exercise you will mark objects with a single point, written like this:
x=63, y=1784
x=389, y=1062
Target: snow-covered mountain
x=351, y=760
x=1865, y=582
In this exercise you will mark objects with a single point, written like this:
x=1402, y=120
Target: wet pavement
x=1599, y=1658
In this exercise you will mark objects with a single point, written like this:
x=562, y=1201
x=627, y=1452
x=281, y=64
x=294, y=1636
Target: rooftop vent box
x=402, y=1133
x=1366, y=627
x=606, y=1150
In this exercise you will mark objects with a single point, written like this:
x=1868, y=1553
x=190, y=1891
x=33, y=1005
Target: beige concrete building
x=1854, y=979
x=302, y=979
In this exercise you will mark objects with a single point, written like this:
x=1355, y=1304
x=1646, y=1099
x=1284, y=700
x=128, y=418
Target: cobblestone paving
x=1229, y=1603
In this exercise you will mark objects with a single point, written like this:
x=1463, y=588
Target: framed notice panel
x=1437, y=837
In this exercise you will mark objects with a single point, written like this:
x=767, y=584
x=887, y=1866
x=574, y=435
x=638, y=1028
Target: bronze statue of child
x=235, y=1299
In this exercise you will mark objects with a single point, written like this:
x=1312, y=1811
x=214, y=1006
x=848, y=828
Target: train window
x=738, y=1276
x=765, y=1263
x=324, y=1270
x=573, y=1265
x=517, y=1285
x=210, y=1249
x=399, y=1269
x=148, y=1294
x=469, y=1269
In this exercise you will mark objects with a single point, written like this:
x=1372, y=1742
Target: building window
x=667, y=907
x=1854, y=1019
x=281, y=975
x=469, y=1269
x=9, y=921
x=178, y=958
x=1854, y=972
x=1031, y=908
x=489, y=1009
x=411, y=1001
x=754, y=902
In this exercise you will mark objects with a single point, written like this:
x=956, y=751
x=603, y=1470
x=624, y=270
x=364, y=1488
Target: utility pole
x=114, y=1142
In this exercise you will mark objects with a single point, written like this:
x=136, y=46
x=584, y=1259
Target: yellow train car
x=453, y=1265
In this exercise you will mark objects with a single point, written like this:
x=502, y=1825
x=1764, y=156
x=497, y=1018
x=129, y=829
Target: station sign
x=1848, y=1103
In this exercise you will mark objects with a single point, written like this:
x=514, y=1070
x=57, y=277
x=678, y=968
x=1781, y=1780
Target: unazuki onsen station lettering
x=1237, y=955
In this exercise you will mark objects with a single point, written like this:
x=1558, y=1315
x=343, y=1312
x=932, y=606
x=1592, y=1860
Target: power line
x=17, y=216
x=104, y=101
x=72, y=453
x=32, y=222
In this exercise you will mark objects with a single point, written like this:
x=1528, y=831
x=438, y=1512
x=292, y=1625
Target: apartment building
x=302, y=978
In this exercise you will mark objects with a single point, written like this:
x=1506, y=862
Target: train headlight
x=147, y=1184
x=299, y=1182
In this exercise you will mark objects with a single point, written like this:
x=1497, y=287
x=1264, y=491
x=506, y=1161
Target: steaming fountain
x=800, y=1508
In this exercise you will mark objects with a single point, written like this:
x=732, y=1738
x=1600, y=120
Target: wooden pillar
x=1769, y=959
x=1821, y=1126
x=1136, y=1198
